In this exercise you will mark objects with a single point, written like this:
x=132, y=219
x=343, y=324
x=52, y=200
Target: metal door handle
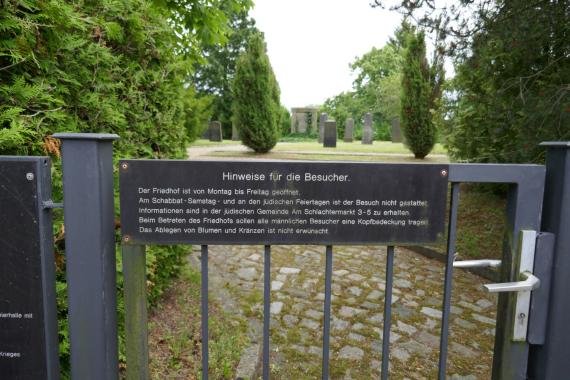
x=529, y=283
x=477, y=263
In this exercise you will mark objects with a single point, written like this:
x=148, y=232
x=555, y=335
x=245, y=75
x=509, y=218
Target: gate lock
x=530, y=318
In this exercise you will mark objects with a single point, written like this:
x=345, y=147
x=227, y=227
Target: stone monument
x=367, y=134
x=322, y=121
x=330, y=134
x=349, y=130
x=235, y=133
x=396, y=131
x=215, y=131
x=304, y=119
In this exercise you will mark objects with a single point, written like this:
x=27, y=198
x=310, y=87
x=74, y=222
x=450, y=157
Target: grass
x=174, y=334
x=354, y=147
x=313, y=146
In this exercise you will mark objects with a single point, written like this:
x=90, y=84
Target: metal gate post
x=90, y=254
x=550, y=361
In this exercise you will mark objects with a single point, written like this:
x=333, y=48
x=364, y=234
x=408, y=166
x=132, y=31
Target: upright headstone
x=322, y=120
x=330, y=134
x=235, y=133
x=215, y=129
x=367, y=135
x=349, y=130
x=396, y=131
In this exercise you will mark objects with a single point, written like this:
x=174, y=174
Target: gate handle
x=477, y=263
x=529, y=283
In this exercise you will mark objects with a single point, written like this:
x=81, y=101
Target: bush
x=416, y=119
x=256, y=98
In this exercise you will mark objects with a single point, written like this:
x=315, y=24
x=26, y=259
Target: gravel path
x=297, y=296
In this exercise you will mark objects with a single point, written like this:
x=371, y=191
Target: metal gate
x=531, y=332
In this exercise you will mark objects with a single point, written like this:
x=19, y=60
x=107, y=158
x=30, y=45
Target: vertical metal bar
x=90, y=254
x=266, y=309
x=549, y=361
x=136, y=334
x=204, y=260
x=451, y=236
x=327, y=311
x=387, y=311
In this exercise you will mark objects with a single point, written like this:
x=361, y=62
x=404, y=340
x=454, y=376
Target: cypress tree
x=416, y=119
x=256, y=94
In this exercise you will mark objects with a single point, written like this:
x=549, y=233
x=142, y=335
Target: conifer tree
x=416, y=119
x=256, y=105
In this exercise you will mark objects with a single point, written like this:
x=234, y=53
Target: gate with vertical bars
x=531, y=331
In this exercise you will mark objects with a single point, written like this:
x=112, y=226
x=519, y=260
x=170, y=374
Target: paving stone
x=247, y=274
x=276, y=285
x=290, y=320
x=403, y=311
x=402, y=283
x=351, y=353
x=276, y=308
x=355, y=290
x=400, y=354
x=281, y=277
x=355, y=277
x=349, y=312
x=470, y=306
x=462, y=350
x=456, y=310
x=312, y=350
x=374, y=295
x=310, y=324
x=254, y=257
x=483, y=319
x=431, y=312
x=358, y=326
x=460, y=377
x=298, y=348
x=356, y=337
x=370, y=305
x=340, y=272
x=376, y=318
x=405, y=328
x=286, y=270
x=484, y=304
x=339, y=324
x=314, y=314
x=463, y=323
x=427, y=339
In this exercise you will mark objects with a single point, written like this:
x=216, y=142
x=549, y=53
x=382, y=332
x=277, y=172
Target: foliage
x=284, y=121
x=512, y=61
x=416, y=118
x=513, y=91
x=214, y=74
x=256, y=106
x=106, y=67
x=376, y=89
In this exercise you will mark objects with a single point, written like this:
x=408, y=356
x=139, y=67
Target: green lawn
x=354, y=147
x=314, y=146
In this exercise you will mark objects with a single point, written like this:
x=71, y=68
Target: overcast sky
x=311, y=42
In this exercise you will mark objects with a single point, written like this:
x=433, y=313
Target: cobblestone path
x=297, y=276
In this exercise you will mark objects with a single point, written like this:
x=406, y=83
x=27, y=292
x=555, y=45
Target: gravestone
x=322, y=120
x=304, y=119
x=235, y=133
x=349, y=130
x=28, y=315
x=215, y=130
x=396, y=131
x=330, y=134
x=367, y=134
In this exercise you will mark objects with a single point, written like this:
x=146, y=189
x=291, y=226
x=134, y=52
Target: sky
x=311, y=42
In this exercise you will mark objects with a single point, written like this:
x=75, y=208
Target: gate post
x=90, y=254
x=550, y=361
